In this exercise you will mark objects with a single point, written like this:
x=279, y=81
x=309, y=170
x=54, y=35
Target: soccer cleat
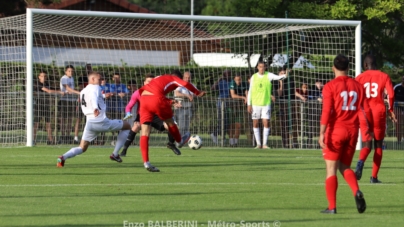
x=173, y=148
x=265, y=147
x=49, y=142
x=76, y=142
x=123, y=152
x=374, y=180
x=328, y=211
x=151, y=168
x=184, y=139
x=127, y=116
x=359, y=169
x=258, y=147
x=117, y=158
x=360, y=202
x=61, y=162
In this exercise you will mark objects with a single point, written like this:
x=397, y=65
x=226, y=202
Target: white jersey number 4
x=351, y=105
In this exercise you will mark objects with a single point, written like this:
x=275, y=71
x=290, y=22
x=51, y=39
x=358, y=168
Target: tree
x=171, y=6
x=382, y=20
x=16, y=7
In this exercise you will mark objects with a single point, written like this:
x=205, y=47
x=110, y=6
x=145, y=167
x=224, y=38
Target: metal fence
x=294, y=124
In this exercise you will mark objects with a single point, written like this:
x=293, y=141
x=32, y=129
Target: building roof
x=121, y=3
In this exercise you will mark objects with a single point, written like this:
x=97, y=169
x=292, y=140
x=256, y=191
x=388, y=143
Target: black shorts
x=68, y=109
x=157, y=123
x=42, y=111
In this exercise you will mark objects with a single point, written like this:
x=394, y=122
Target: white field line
x=172, y=184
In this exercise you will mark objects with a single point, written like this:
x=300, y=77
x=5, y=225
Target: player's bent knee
x=84, y=145
x=126, y=125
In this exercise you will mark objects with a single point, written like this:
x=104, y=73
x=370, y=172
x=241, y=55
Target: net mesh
x=136, y=47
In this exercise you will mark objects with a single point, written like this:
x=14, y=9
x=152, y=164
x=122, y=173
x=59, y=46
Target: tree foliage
x=16, y=7
x=382, y=20
x=171, y=6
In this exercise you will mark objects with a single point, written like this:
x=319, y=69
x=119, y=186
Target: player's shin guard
x=73, y=152
x=170, y=138
x=350, y=178
x=120, y=141
x=331, y=186
x=265, y=136
x=144, y=148
x=129, y=139
x=257, y=135
x=377, y=161
x=363, y=155
x=175, y=133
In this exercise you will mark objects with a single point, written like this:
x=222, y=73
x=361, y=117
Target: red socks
x=144, y=148
x=175, y=133
x=363, y=155
x=350, y=178
x=377, y=161
x=331, y=185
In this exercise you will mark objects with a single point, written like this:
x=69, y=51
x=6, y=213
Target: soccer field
x=234, y=187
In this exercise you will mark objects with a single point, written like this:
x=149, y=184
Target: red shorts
x=151, y=105
x=340, y=144
x=379, y=125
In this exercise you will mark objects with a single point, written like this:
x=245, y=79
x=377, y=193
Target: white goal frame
x=30, y=32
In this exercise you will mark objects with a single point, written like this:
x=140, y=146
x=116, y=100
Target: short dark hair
x=42, y=71
x=177, y=73
x=261, y=62
x=116, y=73
x=69, y=67
x=370, y=60
x=149, y=75
x=341, y=62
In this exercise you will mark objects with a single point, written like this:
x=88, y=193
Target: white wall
x=94, y=56
x=225, y=60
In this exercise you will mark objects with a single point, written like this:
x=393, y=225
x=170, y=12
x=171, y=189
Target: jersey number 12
x=351, y=105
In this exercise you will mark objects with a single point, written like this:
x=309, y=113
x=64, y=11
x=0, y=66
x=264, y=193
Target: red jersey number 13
x=371, y=92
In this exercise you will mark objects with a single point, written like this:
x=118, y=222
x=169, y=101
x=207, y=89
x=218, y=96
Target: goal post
x=156, y=40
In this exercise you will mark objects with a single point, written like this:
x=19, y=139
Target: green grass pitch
x=235, y=187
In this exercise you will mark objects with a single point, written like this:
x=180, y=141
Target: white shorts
x=92, y=129
x=261, y=112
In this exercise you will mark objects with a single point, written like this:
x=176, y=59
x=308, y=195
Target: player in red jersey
x=375, y=83
x=343, y=100
x=153, y=101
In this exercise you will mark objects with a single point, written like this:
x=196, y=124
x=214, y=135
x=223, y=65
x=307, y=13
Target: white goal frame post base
x=30, y=36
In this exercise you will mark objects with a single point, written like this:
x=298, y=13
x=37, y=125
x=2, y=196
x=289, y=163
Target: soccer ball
x=195, y=142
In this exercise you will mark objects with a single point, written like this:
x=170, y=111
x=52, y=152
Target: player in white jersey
x=93, y=106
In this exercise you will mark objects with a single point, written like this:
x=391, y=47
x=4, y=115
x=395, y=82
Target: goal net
x=125, y=47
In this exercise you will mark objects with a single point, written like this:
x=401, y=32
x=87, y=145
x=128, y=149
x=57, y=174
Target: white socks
x=233, y=141
x=73, y=152
x=266, y=134
x=257, y=136
x=120, y=141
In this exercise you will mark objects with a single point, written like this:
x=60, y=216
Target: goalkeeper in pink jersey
x=157, y=123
